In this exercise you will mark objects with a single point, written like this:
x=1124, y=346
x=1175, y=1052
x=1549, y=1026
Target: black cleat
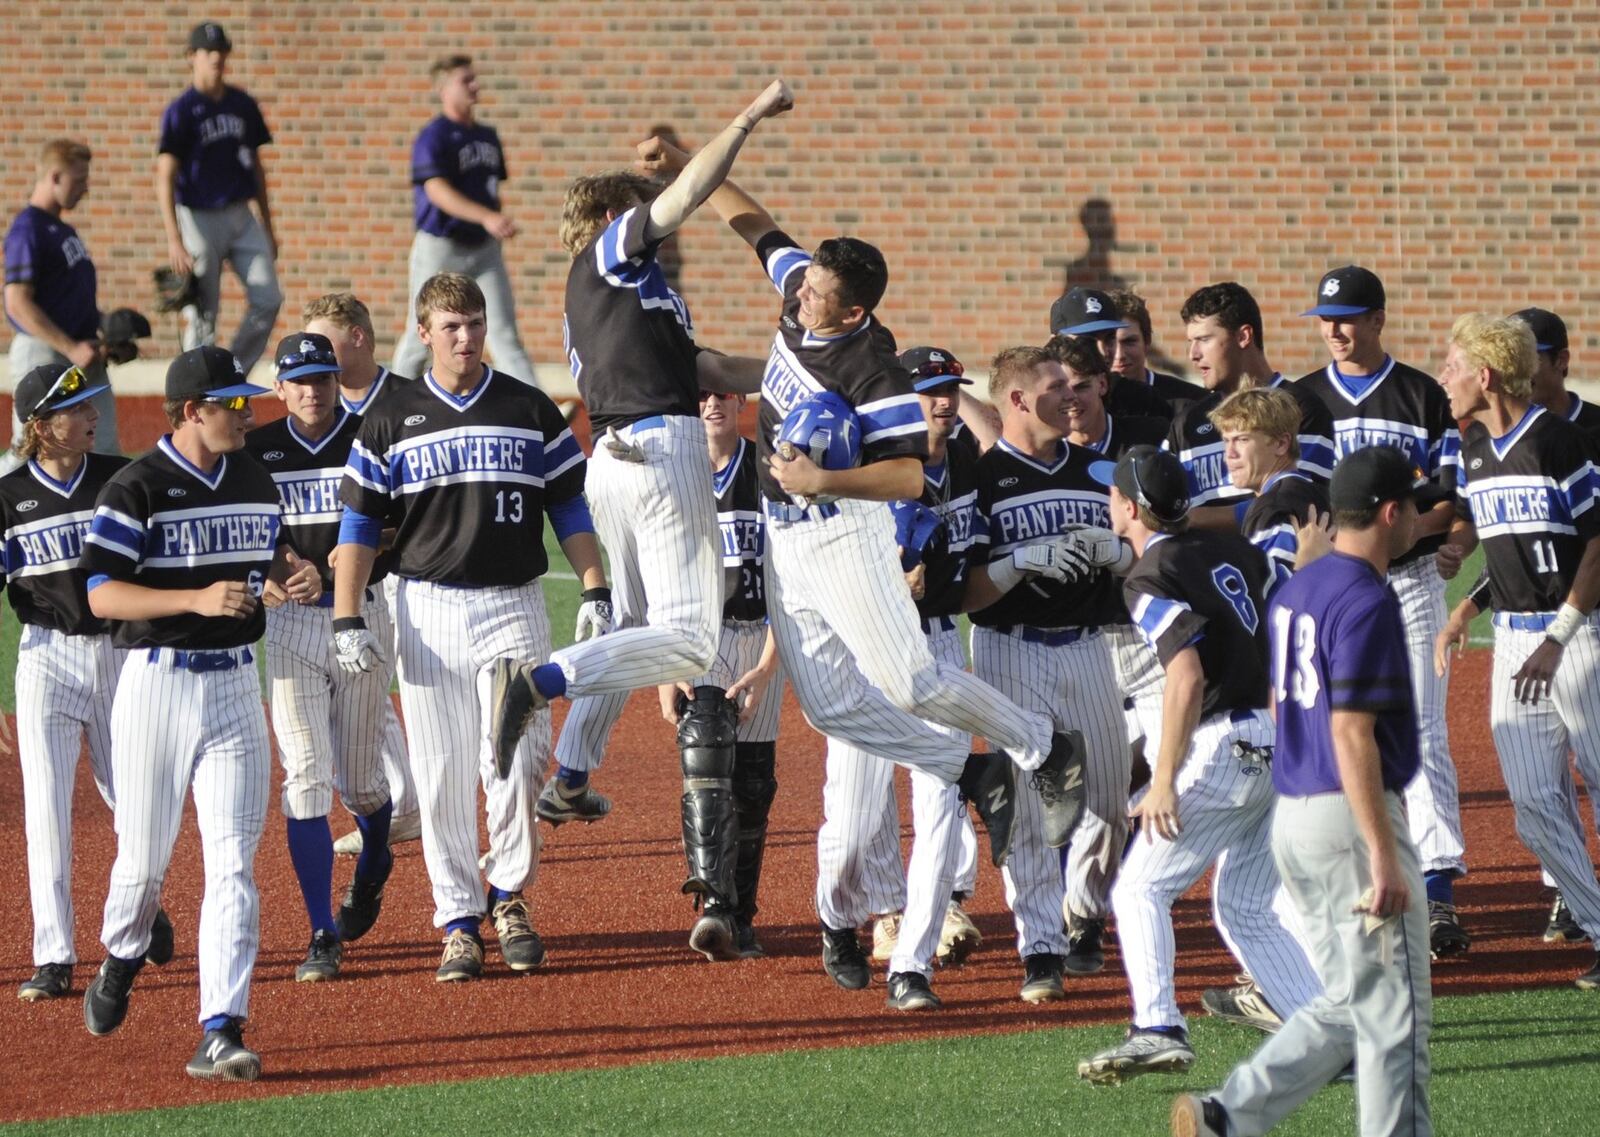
x=363, y=900
x=843, y=959
x=322, y=960
x=105, y=1003
x=161, y=946
x=223, y=1057
x=513, y=701
x=50, y=981
x=1061, y=788
x=910, y=991
x=1085, y=953
x=1562, y=928
x=1446, y=937
x=989, y=782
x=1589, y=980
x=1041, y=978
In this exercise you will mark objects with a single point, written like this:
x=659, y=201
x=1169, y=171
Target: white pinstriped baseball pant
x=65, y=686
x=738, y=651
x=658, y=522
x=173, y=731
x=448, y=639
x=392, y=745
x=1141, y=680
x=1227, y=819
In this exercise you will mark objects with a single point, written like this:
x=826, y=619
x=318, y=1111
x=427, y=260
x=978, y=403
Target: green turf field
x=1503, y=1064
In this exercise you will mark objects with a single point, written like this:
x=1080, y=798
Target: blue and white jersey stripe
x=51, y=544
x=117, y=533
x=207, y=535
x=1153, y=615
x=460, y=454
x=895, y=417
x=781, y=262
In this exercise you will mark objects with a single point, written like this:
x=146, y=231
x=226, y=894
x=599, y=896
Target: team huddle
x=1208, y=628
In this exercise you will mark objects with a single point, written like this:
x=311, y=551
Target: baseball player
x=1196, y=596
x=208, y=171
x=345, y=321
x=50, y=287
x=1529, y=495
x=631, y=346
x=1377, y=400
x=66, y=666
x=182, y=543
x=858, y=847
x=1130, y=355
x=327, y=721
x=1347, y=746
x=1042, y=645
x=1227, y=346
x=746, y=668
x=465, y=464
x=457, y=166
x=1088, y=313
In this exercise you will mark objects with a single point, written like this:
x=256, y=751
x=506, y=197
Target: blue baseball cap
x=208, y=372
x=1084, y=311
x=305, y=355
x=1348, y=291
x=50, y=387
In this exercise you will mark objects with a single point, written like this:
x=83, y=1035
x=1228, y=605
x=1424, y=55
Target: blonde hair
x=590, y=198
x=1013, y=367
x=342, y=310
x=1503, y=344
x=1265, y=410
x=27, y=444
x=61, y=154
x=449, y=292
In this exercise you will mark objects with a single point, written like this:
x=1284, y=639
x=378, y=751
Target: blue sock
x=572, y=779
x=1441, y=885
x=216, y=1022
x=467, y=924
x=374, y=841
x=549, y=680
x=496, y=895
x=311, y=850
x=1170, y=1031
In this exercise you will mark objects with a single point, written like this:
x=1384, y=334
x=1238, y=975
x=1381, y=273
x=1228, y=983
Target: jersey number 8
x=1231, y=583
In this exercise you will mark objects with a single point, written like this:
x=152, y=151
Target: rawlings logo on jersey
x=25, y=506
x=175, y=491
x=1203, y=428
x=272, y=456
x=1007, y=483
x=416, y=420
x=1475, y=464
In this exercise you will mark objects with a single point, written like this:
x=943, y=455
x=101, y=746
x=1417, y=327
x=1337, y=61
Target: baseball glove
x=918, y=531
x=175, y=291
x=121, y=329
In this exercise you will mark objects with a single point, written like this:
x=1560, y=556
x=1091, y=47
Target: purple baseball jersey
x=469, y=157
x=1339, y=643
x=215, y=142
x=46, y=252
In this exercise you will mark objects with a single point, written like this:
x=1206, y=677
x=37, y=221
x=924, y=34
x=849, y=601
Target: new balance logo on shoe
x=997, y=799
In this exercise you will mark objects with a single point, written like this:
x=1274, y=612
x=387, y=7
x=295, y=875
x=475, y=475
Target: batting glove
x=594, y=614
x=621, y=449
x=1044, y=559
x=1099, y=548
x=356, y=647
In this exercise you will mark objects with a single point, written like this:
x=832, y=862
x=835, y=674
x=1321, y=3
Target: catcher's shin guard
x=708, y=725
x=755, y=784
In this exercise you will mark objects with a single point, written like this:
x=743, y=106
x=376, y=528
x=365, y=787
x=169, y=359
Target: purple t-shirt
x=215, y=143
x=470, y=159
x=46, y=252
x=1339, y=643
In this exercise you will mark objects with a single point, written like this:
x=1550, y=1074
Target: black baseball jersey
x=743, y=530
x=1199, y=447
x=45, y=523
x=1022, y=501
x=1123, y=432
x=1586, y=417
x=162, y=522
x=950, y=489
x=1204, y=589
x=467, y=478
x=1134, y=399
x=627, y=334
x=861, y=366
x=1179, y=394
x=1531, y=496
x=1395, y=406
x=384, y=385
x=1281, y=506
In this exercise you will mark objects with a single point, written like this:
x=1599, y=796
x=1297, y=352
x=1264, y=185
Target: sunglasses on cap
x=229, y=402
x=934, y=368
x=67, y=384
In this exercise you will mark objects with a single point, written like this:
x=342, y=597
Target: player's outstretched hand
x=658, y=156
x=304, y=583
x=1453, y=636
x=594, y=614
x=1532, y=680
x=225, y=598
x=774, y=101
x=1158, y=811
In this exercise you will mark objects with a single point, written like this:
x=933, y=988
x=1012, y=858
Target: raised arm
x=732, y=204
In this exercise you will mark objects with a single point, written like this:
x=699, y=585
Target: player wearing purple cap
x=457, y=165
x=50, y=286
x=208, y=171
x=1347, y=746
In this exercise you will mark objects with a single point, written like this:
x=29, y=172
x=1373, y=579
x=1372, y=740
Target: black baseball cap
x=208, y=372
x=305, y=355
x=932, y=367
x=1082, y=312
x=1373, y=475
x=123, y=324
x=1348, y=291
x=1549, y=329
x=209, y=36
x=1149, y=476
x=51, y=387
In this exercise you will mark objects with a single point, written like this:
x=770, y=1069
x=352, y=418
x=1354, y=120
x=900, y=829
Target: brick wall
x=1452, y=146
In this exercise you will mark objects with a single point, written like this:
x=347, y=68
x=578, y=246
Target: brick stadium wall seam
x=1449, y=145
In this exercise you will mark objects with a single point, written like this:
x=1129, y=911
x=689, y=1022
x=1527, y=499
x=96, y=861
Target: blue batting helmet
x=825, y=427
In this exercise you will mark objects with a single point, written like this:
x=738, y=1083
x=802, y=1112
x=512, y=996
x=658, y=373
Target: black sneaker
x=745, y=937
x=910, y=991
x=105, y=1003
x=1041, y=978
x=513, y=700
x=843, y=959
x=989, y=783
x=322, y=959
x=1589, y=980
x=1562, y=928
x=1446, y=937
x=161, y=941
x=50, y=981
x=520, y=945
x=363, y=900
x=1085, y=954
x=223, y=1056
x=1059, y=782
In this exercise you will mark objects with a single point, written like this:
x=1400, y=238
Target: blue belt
x=1524, y=621
x=935, y=624
x=1048, y=637
x=1238, y=716
x=326, y=599
x=653, y=422
x=225, y=660
x=782, y=511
